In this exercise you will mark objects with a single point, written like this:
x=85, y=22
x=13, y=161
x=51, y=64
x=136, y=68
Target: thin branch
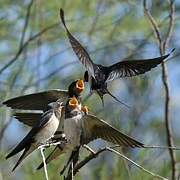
x=20, y=50
x=153, y=147
x=153, y=23
x=162, y=147
x=162, y=47
x=26, y=23
x=137, y=165
x=44, y=161
x=95, y=155
x=171, y=24
x=25, y=45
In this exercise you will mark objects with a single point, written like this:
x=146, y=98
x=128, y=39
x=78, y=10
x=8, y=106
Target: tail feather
x=108, y=92
x=28, y=149
x=101, y=96
x=18, y=148
x=73, y=158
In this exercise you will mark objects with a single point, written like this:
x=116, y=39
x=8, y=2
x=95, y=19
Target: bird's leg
x=89, y=149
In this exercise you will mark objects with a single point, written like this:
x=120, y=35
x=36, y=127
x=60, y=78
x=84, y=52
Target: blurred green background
x=42, y=58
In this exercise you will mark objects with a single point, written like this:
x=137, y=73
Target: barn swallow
x=40, y=100
x=99, y=76
x=41, y=132
x=85, y=130
x=72, y=130
x=31, y=118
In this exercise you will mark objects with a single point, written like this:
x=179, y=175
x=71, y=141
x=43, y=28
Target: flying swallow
x=82, y=131
x=99, y=76
x=40, y=100
x=40, y=133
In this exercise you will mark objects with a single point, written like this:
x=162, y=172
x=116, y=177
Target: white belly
x=48, y=131
x=72, y=130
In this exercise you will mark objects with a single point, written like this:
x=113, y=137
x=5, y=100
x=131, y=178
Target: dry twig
x=111, y=149
x=162, y=47
x=44, y=161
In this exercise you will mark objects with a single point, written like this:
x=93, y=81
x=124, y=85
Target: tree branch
x=110, y=149
x=26, y=23
x=162, y=47
x=44, y=161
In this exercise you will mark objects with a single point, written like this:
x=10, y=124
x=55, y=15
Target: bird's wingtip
x=8, y=156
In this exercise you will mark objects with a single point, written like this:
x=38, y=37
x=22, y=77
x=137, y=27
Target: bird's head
x=73, y=103
x=72, y=108
x=76, y=88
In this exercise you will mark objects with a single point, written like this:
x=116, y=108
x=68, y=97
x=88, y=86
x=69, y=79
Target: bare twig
x=154, y=147
x=89, y=149
x=162, y=47
x=161, y=147
x=94, y=155
x=26, y=23
x=44, y=161
x=171, y=24
x=153, y=23
x=25, y=45
x=134, y=163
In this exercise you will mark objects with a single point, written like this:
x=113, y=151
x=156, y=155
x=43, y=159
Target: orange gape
x=85, y=109
x=80, y=85
x=73, y=103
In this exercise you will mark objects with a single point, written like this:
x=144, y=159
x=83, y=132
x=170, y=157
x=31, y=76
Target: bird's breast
x=72, y=131
x=48, y=131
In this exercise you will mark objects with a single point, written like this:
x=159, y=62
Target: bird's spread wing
x=29, y=138
x=96, y=128
x=29, y=119
x=133, y=67
x=80, y=51
x=36, y=101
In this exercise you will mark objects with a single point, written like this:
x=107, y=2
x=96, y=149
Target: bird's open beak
x=73, y=103
x=80, y=86
x=85, y=109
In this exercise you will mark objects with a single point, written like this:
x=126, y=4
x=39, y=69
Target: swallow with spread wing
x=82, y=129
x=99, y=76
x=40, y=133
x=72, y=129
x=40, y=100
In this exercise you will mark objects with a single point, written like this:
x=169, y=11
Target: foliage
x=111, y=30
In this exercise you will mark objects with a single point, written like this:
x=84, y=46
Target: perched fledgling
x=41, y=132
x=81, y=128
